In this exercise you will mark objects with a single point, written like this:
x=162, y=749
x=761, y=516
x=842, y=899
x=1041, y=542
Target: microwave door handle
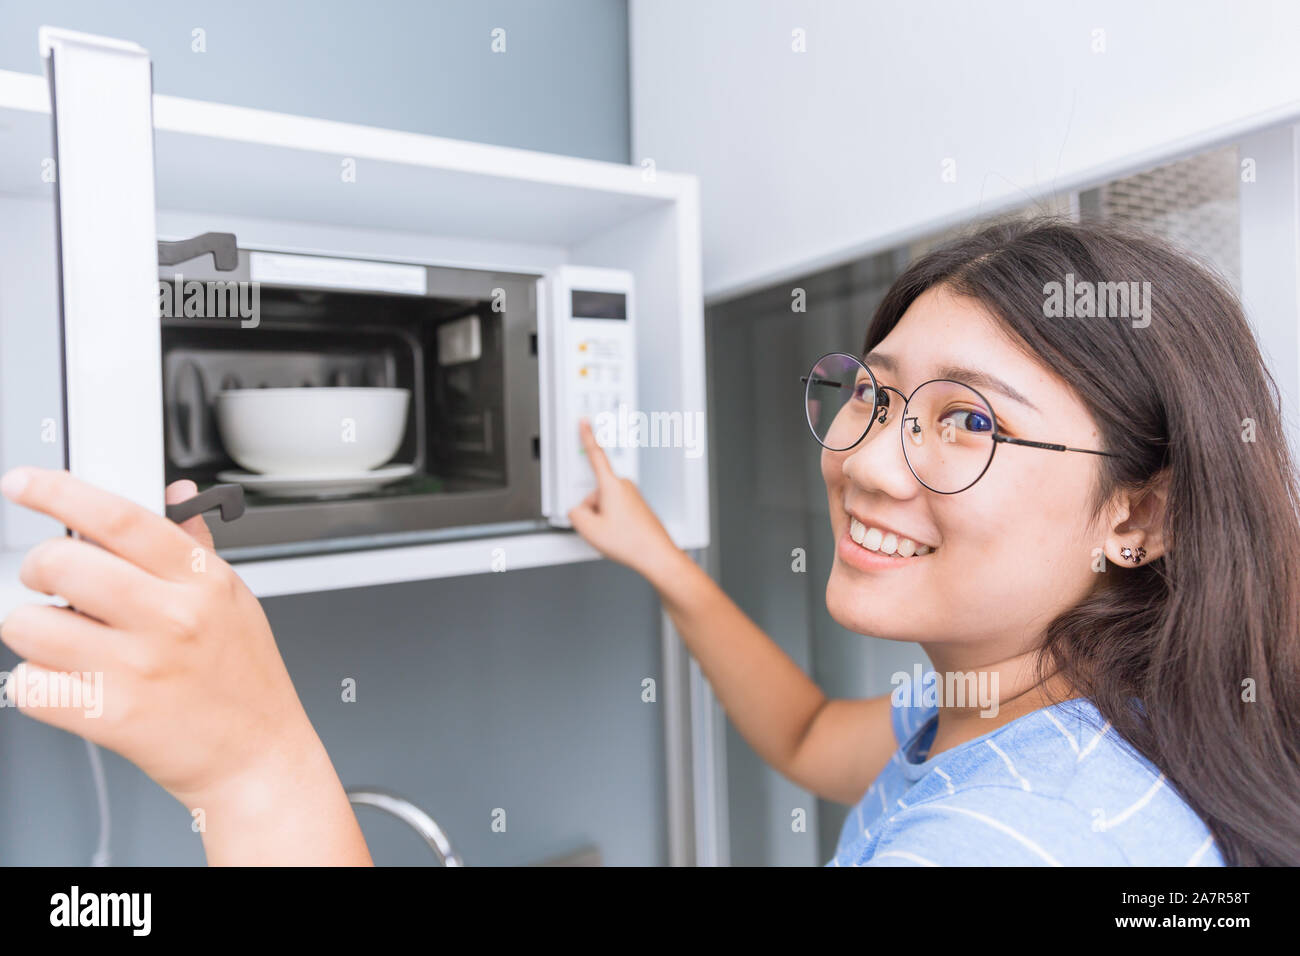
x=222, y=245
x=229, y=498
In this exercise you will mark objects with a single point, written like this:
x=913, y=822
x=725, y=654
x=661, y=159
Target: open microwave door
x=101, y=98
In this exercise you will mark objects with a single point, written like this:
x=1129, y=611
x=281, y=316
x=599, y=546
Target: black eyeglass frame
x=882, y=392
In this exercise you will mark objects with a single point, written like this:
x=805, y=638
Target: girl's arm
x=194, y=691
x=834, y=748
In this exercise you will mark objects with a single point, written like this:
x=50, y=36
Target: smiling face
x=1006, y=555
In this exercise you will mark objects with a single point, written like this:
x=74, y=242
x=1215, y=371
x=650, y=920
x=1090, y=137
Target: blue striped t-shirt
x=1056, y=787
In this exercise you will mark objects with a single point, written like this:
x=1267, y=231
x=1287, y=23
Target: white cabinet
x=301, y=185
x=827, y=132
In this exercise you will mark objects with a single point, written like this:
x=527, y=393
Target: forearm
x=290, y=810
x=768, y=697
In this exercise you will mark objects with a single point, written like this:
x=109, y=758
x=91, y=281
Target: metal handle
x=229, y=498
x=222, y=245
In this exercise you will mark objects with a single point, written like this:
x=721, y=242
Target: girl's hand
x=616, y=520
x=194, y=691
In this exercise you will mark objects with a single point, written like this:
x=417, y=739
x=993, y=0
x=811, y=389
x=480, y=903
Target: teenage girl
x=1094, y=517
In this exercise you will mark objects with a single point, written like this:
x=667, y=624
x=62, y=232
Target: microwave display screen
x=598, y=305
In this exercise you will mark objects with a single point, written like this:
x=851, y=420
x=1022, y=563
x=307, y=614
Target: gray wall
x=519, y=690
x=561, y=85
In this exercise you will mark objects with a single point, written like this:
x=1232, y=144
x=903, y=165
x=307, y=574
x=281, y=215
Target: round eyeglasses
x=948, y=429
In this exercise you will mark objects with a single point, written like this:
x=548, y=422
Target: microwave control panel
x=592, y=366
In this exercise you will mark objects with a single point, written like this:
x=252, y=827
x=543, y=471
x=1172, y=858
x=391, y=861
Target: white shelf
x=355, y=569
x=412, y=563
x=404, y=181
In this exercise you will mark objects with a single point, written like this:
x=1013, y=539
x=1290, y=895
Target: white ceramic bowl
x=321, y=431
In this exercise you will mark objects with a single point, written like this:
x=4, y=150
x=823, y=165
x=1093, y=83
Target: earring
x=1128, y=554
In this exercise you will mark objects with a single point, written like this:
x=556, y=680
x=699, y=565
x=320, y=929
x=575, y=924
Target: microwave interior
x=472, y=426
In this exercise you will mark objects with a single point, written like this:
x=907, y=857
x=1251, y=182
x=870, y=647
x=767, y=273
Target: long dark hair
x=1188, y=633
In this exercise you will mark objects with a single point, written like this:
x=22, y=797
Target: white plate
x=316, y=486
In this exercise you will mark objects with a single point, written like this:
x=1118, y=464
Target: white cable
x=101, y=794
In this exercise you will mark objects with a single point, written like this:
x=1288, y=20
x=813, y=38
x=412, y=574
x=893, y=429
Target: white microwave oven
x=499, y=368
